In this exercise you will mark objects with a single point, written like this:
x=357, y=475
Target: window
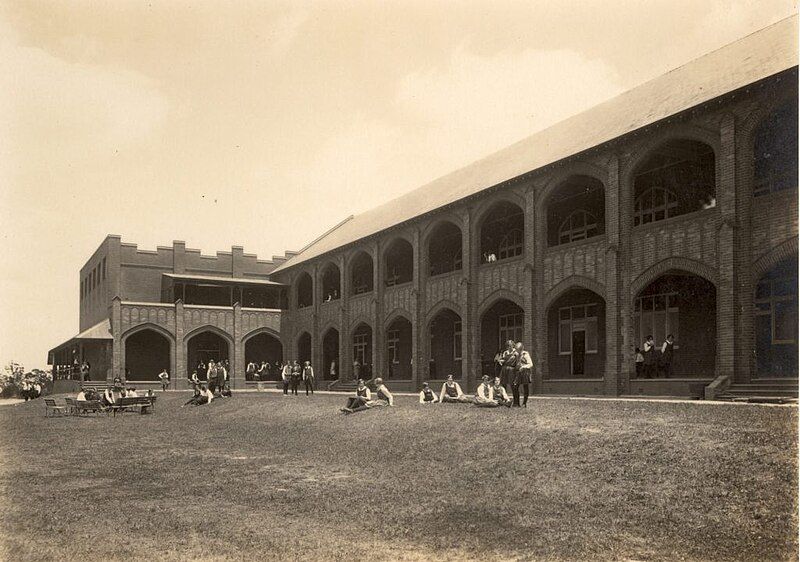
x=655, y=204
x=656, y=315
x=579, y=225
x=360, y=342
x=392, y=345
x=580, y=318
x=776, y=299
x=775, y=152
x=510, y=328
x=510, y=245
x=457, y=340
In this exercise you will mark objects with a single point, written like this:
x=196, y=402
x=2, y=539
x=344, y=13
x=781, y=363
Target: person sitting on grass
x=195, y=400
x=362, y=396
x=499, y=393
x=484, y=397
x=384, y=398
x=452, y=393
x=226, y=391
x=108, y=397
x=426, y=395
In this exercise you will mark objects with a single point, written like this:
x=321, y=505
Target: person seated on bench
x=499, y=393
x=91, y=394
x=484, y=397
x=383, y=398
x=426, y=395
x=81, y=395
x=108, y=397
x=362, y=396
x=131, y=392
x=452, y=393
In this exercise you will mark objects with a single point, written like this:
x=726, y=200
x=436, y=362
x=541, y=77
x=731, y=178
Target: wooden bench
x=89, y=406
x=145, y=404
x=51, y=406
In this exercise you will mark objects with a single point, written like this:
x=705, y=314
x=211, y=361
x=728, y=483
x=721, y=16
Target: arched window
x=775, y=152
x=655, y=204
x=361, y=274
x=579, y=225
x=305, y=292
x=444, y=249
x=510, y=245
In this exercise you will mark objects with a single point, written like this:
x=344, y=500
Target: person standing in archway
x=508, y=361
x=163, y=376
x=666, y=356
x=649, y=352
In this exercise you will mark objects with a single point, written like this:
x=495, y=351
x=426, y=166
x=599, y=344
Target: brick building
x=142, y=311
x=671, y=208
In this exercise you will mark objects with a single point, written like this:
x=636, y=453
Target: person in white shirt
x=164, y=378
x=649, y=352
x=286, y=376
x=426, y=395
x=484, y=396
x=108, y=396
x=81, y=395
x=522, y=376
x=131, y=393
x=452, y=393
x=194, y=381
x=206, y=393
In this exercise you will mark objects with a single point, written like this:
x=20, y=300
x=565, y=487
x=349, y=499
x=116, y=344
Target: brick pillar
x=377, y=311
x=316, y=337
x=344, y=322
x=180, y=372
x=116, y=331
x=419, y=365
x=470, y=325
x=726, y=203
x=178, y=256
x=745, y=366
x=530, y=326
x=613, y=369
x=237, y=363
x=468, y=367
x=237, y=261
x=538, y=312
x=624, y=212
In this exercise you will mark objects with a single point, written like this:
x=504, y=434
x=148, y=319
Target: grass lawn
x=261, y=476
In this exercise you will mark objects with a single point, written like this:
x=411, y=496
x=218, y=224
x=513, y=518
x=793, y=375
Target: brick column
x=345, y=359
x=538, y=312
x=316, y=337
x=419, y=366
x=726, y=203
x=745, y=366
x=613, y=369
x=237, y=364
x=624, y=212
x=530, y=325
x=377, y=311
x=116, y=330
x=468, y=367
x=470, y=324
x=180, y=372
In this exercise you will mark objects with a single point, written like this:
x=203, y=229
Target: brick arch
x=675, y=132
x=262, y=330
x=444, y=304
x=149, y=326
x=573, y=282
x=395, y=314
x=357, y=322
x=785, y=250
x=577, y=168
x=486, y=206
x=350, y=256
x=662, y=267
x=329, y=326
x=498, y=295
x=211, y=328
x=442, y=218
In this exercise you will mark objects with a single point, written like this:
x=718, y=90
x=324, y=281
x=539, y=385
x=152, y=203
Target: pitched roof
x=757, y=56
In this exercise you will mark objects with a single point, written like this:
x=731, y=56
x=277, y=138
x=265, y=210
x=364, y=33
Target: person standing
x=222, y=374
x=356, y=369
x=666, y=356
x=296, y=376
x=286, y=376
x=522, y=375
x=250, y=372
x=164, y=378
x=508, y=361
x=639, y=361
x=333, y=370
x=202, y=369
x=211, y=376
x=308, y=377
x=649, y=352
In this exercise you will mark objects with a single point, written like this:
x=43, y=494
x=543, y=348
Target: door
x=578, y=351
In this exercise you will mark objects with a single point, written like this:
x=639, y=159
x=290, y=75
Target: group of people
x=262, y=372
x=216, y=375
x=651, y=363
x=291, y=375
x=30, y=390
x=110, y=394
x=205, y=395
x=78, y=370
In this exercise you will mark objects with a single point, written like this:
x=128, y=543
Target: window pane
x=578, y=312
x=785, y=321
x=564, y=314
x=660, y=327
x=591, y=335
x=591, y=310
x=637, y=330
x=565, y=338
x=672, y=319
x=647, y=326
x=784, y=287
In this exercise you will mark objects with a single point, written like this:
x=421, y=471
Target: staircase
x=778, y=391
x=346, y=386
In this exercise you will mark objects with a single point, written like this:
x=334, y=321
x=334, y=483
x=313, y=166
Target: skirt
x=523, y=376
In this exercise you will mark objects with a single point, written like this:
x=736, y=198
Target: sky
x=263, y=124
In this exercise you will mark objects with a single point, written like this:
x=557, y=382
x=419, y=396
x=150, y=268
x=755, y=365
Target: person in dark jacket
x=666, y=356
